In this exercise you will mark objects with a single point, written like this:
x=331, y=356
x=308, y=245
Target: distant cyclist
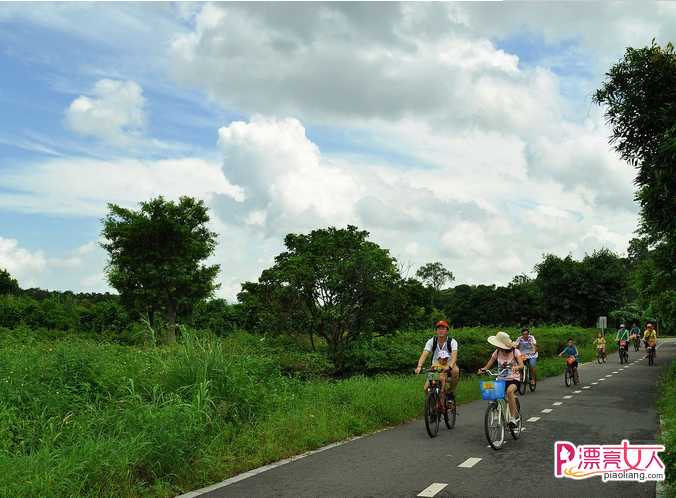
x=622, y=335
x=635, y=332
x=528, y=347
x=600, y=343
x=650, y=337
x=435, y=345
x=571, y=350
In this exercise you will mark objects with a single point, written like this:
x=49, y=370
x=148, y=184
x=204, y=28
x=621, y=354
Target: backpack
x=448, y=344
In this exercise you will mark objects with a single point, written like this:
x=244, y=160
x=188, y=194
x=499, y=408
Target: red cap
x=441, y=323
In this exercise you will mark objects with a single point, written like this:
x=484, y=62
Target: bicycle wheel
x=576, y=376
x=516, y=431
x=599, y=357
x=431, y=414
x=449, y=416
x=493, y=426
x=568, y=377
x=532, y=383
x=522, y=380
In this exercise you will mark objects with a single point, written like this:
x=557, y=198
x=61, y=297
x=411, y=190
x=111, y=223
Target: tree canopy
x=157, y=256
x=331, y=282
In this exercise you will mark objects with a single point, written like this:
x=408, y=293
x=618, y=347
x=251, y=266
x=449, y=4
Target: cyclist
x=600, y=343
x=650, y=337
x=622, y=335
x=528, y=347
x=435, y=345
x=571, y=350
x=508, y=357
x=635, y=333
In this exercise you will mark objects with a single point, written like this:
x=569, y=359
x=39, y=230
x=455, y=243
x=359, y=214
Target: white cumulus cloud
x=115, y=112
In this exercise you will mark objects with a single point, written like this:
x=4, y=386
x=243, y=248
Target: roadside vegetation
x=89, y=418
x=161, y=388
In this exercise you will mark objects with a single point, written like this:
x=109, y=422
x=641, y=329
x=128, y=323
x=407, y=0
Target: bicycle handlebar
x=498, y=374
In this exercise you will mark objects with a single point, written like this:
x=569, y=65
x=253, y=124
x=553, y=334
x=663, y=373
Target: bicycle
x=600, y=355
x=497, y=411
x=651, y=355
x=637, y=343
x=571, y=375
x=434, y=408
x=624, y=354
x=526, y=379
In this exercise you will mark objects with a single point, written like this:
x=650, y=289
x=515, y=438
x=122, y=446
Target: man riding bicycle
x=435, y=345
x=650, y=337
x=622, y=335
x=528, y=347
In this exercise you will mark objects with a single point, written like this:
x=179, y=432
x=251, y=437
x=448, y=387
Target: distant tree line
x=335, y=286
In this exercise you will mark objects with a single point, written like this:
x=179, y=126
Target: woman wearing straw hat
x=509, y=359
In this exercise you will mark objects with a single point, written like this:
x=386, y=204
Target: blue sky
x=428, y=125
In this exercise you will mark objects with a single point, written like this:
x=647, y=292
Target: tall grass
x=82, y=418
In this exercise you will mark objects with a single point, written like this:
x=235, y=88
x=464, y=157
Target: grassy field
x=85, y=418
x=667, y=410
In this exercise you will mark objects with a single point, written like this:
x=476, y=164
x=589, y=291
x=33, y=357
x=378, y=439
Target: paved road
x=404, y=461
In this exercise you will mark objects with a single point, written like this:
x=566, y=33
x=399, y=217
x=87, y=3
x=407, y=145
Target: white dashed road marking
x=616, y=372
x=469, y=463
x=557, y=403
x=601, y=380
x=609, y=375
x=577, y=392
x=533, y=419
x=547, y=410
x=594, y=383
x=567, y=397
x=586, y=387
x=433, y=488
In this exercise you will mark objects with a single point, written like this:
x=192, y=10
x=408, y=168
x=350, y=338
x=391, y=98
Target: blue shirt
x=570, y=351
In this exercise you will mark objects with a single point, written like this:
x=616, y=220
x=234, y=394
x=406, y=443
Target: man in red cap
x=434, y=346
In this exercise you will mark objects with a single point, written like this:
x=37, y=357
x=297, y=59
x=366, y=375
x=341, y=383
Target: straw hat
x=501, y=340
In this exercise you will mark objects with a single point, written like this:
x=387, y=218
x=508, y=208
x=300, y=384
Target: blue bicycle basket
x=492, y=390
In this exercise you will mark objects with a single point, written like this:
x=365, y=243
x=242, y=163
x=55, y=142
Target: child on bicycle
x=571, y=350
x=600, y=343
x=442, y=366
x=509, y=359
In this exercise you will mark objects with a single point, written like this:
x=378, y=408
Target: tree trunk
x=312, y=341
x=171, y=323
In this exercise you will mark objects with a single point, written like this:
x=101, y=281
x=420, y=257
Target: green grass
x=85, y=418
x=667, y=409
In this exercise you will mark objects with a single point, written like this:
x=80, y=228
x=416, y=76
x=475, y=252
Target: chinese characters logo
x=624, y=462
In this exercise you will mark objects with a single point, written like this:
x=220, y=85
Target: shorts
x=531, y=361
x=510, y=382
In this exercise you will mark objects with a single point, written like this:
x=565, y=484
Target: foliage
x=435, y=275
x=103, y=420
x=666, y=405
x=156, y=256
x=332, y=282
x=8, y=284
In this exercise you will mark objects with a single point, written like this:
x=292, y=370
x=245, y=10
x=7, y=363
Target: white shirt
x=527, y=348
x=453, y=347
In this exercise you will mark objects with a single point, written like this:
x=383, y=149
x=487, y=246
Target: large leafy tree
x=639, y=95
x=157, y=256
x=334, y=283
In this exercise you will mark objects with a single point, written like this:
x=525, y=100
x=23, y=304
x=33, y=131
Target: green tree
x=639, y=95
x=332, y=282
x=435, y=275
x=8, y=285
x=157, y=256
